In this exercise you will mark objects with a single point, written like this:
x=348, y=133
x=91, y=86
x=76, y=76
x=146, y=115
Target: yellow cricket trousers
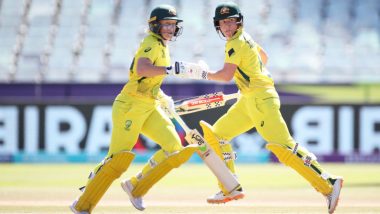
x=134, y=115
x=259, y=109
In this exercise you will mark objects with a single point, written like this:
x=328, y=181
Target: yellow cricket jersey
x=153, y=48
x=250, y=74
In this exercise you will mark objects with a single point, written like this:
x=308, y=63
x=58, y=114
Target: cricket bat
x=208, y=155
x=203, y=102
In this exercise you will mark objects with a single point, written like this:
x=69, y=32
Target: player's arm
x=225, y=74
x=145, y=68
x=231, y=61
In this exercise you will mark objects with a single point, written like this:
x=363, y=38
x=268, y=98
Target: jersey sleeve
x=233, y=53
x=148, y=49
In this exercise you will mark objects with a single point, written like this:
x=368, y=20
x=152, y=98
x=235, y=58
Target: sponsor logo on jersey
x=147, y=49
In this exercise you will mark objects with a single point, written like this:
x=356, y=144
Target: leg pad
x=304, y=165
x=111, y=168
x=211, y=139
x=152, y=176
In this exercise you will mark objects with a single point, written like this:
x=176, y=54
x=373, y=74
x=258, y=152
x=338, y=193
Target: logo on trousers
x=128, y=125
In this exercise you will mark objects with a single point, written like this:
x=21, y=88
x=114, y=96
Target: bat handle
x=174, y=115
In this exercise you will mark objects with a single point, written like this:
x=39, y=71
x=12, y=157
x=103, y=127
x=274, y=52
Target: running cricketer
x=258, y=106
x=137, y=110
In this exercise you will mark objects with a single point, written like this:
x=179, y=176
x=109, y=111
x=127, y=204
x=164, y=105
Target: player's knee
x=173, y=147
x=285, y=142
x=286, y=152
x=170, y=143
x=120, y=162
x=280, y=151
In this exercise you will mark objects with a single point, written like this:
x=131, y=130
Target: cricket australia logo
x=173, y=12
x=224, y=10
x=128, y=125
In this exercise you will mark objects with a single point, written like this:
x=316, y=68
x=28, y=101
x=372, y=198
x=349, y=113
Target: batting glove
x=203, y=65
x=170, y=70
x=191, y=70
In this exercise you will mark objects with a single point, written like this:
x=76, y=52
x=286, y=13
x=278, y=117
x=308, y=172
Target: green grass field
x=270, y=188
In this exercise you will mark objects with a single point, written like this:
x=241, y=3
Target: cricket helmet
x=227, y=10
x=163, y=12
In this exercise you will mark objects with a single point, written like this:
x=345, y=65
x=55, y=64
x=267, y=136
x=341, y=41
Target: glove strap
x=169, y=70
x=176, y=68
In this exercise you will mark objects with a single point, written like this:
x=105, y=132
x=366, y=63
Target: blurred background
x=62, y=62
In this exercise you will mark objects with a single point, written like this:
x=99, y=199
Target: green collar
x=158, y=37
x=237, y=34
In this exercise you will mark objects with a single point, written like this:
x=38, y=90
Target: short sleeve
x=148, y=49
x=233, y=53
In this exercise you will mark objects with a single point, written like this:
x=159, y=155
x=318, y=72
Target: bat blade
x=212, y=160
x=203, y=102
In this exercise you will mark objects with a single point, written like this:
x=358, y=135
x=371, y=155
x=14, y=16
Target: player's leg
x=160, y=164
x=160, y=129
x=273, y=129
x=233, y=123
x=124, y=135
x=99, y=181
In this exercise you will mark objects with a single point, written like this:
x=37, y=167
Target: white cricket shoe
x=219, y=197
x=72, y=207
x=137, y=202
x=333, y=198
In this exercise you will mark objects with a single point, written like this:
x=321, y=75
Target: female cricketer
x=258, y=106
x=137, y=110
